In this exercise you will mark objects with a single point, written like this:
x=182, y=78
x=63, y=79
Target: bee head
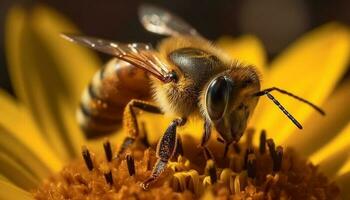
x=229, y=101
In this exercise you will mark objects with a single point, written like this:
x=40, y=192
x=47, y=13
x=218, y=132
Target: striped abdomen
x=106, y=96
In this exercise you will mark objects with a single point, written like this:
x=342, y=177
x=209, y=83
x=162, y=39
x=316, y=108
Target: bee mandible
x=188, y=76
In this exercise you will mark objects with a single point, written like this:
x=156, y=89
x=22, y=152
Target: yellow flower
x=38, y=133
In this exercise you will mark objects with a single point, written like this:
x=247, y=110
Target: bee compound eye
x=217, y=97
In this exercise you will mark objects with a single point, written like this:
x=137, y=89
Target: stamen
x=109, y=177
x=108, y=150
x=251, y=165
x=262, y=145
x=213, y=175
x=87, y=158
x=247, y=152
x=276, y=155
x=277, y=164
x=271, y=145
x=193, y=182
x=207, y=182
x=131, y=165
x=248, y=172
x=226, y=174
x=178, y=181
x=210, y=169
x=237, y=185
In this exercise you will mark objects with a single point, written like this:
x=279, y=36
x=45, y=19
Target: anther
x=277, y=163
x=87, y=158
x=109, y=177
x=108, y=150
x=276, y=155
x=131, y=165
x=271, y=145
x=262, y=145
x=213, y=175
x=248, y=151
x=251, y=165
x=210, y=169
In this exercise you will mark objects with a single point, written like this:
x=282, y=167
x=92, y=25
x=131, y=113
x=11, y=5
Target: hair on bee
x=188, y=75
x=279, y=105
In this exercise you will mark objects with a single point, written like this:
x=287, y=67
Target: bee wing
x=138, y=54
x=161, y=21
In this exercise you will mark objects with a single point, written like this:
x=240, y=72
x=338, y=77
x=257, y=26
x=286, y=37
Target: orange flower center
x=247, y=172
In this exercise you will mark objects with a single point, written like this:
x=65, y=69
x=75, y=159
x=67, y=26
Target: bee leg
x=227, y=147
x=130, y=120
x=126, y=143
x=165, y=150
x=206, y=134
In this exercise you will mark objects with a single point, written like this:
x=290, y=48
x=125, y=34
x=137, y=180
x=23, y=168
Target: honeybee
x=187, y=75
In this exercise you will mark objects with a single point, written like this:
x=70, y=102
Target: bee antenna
x=264, y=92
x=278, y=104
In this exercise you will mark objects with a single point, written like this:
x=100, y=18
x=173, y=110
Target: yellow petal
x=13, y=114
x=310, y=68
x=43, y=75
x=246, y=49
x=74, y=134
x=319, y=130
x=13, y=29
x=76, y=64
x=16, y=173
x=345, y=168
x=26, y=58
x=334, y=154
x=9, y=191
x=18, y=161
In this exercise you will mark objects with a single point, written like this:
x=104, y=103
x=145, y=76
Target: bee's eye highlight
x=217, y=97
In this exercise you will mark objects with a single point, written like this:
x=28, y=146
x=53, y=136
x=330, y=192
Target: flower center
x=263, y=172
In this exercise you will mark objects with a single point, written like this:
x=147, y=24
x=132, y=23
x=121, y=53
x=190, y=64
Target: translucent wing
x=139, y=54
x=163, y=22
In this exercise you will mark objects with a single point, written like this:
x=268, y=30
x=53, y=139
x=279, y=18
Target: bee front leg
x=206, y=134
x=165, y=150
x=130, y=120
